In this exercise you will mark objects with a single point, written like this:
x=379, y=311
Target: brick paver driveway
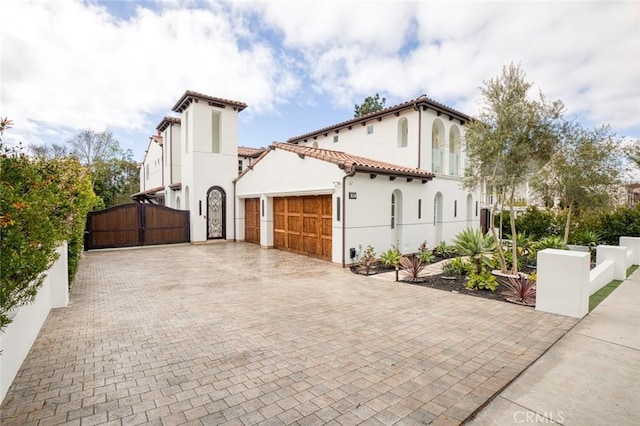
x=230, y=333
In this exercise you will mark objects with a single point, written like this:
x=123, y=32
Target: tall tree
x=93, y=148
x=114, y=173
x=369, y=105
x=49, y=151
x=583, y=170
x=513, y=136
x=633, y=152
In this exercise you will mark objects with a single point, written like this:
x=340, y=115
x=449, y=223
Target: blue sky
x=302, y=65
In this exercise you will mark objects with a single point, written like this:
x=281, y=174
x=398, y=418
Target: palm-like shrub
x=411, y=267
x=426, y=256
x=476, y=245
x=521, y=289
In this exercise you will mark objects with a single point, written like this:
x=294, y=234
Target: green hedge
x=611, y=225
x=42, y=202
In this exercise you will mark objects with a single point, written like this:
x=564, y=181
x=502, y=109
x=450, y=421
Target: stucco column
x=266, y=221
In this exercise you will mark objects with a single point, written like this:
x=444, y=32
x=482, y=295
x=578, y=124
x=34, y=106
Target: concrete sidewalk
x=590, y=377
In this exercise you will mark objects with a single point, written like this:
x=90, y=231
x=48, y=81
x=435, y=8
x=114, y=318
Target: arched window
x=454, y=151
x=437, y=144
x=403, y=132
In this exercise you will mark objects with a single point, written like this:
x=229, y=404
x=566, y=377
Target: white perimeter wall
x=18, y=337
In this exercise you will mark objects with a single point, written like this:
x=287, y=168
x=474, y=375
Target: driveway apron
x=230, y=333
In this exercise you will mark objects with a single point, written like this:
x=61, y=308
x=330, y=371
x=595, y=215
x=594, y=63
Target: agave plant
x=391, y=257
x=588, y=238
x=482, y=281
x=550, y=241
x=475, y=244
x=521, y=289
x=411, y=267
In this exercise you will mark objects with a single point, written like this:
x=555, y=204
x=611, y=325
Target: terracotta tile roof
x=347, y=162
x=166, y=121
x=189, y=96
x=421, y=100
x=150, y=191
x=245, y=151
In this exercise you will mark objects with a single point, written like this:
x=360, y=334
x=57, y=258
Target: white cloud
x=74, y=65
x=68, y=64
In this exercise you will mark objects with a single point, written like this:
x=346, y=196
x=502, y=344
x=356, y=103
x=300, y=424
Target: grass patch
x=602, y=294
x=631, y=270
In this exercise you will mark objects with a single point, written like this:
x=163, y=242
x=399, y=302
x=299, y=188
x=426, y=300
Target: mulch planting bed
x=457, y=285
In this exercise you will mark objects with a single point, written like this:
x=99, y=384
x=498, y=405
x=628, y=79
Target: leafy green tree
x=94, y=148
x=512, y=137
x=583, y=170
x=116, y=179
x=114, y=173
x=369, y=105
x=633, y=153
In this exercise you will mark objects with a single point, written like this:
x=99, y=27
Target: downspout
x=162, y=157
x=170, y=153
x=344, y=213
x=419, y=109
x=235, y=237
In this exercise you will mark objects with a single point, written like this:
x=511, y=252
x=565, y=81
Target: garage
x=252, y=220
x=303, y=225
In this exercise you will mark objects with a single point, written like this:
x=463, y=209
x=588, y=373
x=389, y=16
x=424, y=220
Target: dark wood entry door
x=303, y=225
x=252, y=220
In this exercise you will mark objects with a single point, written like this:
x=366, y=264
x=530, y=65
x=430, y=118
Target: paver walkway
x=230, y=333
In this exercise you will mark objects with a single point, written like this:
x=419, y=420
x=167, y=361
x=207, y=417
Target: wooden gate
x=138, y=224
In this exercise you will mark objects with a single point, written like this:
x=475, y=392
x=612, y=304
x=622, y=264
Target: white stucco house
x=392, y=177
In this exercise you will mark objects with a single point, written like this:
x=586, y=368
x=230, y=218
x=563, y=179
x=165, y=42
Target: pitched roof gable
x=420, y=101
x=190, y=96
x=347, y=162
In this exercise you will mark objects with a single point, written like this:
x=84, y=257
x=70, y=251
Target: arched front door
x=216, y=213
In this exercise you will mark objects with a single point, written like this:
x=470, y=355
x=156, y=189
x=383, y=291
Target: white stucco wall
x=368, y=216
x=383, y=144
x=151, y=172
x=201, y=168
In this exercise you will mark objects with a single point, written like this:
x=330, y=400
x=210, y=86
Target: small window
x=455, y=208
x=419, y=209
x=146, y=172
x=239, y=166
x=403, y=132
x=335, y=138
x=370, y=129
x=393, y=211
x=338, y=209
x=476, y=209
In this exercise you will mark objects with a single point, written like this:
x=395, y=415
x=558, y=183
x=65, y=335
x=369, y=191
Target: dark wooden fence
x=137, y=224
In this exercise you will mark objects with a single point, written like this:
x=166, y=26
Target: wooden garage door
x=252, y=220
x=303, y=225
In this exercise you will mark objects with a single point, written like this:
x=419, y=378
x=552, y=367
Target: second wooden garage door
x=252, y=220
x=303, y=225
